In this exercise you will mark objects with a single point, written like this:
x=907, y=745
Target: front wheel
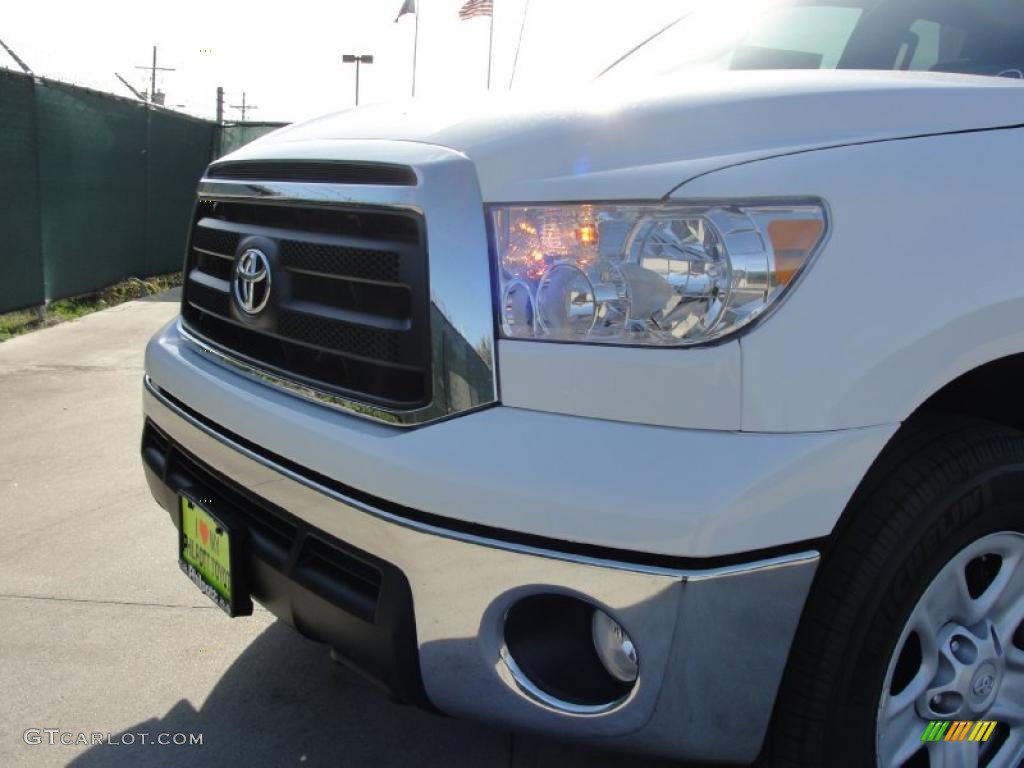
x=911, y=649
x=959, y=659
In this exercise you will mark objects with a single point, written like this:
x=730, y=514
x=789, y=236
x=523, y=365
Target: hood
x=603, y=142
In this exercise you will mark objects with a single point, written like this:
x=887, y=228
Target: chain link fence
x=95, y=188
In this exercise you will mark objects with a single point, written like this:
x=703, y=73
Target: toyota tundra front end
x=581, y=416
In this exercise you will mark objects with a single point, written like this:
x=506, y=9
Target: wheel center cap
x=984, y=682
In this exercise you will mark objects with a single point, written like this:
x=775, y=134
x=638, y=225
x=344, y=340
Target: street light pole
x=350, y=58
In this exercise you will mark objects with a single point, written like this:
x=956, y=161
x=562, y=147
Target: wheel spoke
x=902, y=735
x=950, y=591
x=1009, y=704
x=953, y=754
x=947, y=598
x=1012, y=751
x=926, y=627
x=1014, y=660
x=1006, y=611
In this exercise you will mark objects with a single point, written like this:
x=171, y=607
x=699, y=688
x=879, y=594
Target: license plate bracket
x=210, y=553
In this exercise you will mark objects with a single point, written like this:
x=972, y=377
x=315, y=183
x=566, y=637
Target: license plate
x=208, y=553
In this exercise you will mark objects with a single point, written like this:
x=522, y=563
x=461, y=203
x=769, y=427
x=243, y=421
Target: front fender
x=921, y=280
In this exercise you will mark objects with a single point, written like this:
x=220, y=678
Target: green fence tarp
x=93, y=188
x=179, y=151
x=21, y=260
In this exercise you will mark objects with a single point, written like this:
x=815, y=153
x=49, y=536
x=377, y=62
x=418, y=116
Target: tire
x=939, y=498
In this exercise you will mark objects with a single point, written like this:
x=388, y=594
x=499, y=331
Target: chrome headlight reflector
x=662, y=274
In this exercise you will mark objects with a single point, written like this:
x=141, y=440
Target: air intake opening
x=315, y=171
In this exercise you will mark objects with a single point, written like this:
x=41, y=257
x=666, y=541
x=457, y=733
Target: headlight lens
x=662, y=275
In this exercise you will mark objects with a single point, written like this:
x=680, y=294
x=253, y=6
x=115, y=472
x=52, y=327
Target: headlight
x=659, y=274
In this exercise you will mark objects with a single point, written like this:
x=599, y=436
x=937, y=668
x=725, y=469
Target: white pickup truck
x=680, y=415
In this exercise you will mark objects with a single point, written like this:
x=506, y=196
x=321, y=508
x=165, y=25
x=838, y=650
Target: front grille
x=348, y=311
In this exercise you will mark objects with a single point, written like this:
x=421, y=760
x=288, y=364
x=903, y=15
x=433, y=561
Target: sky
x=286, y=55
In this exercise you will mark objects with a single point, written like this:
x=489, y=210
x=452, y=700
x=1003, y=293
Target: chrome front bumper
x=713, y=643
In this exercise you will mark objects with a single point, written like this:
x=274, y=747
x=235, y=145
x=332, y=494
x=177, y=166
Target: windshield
x=979, y=37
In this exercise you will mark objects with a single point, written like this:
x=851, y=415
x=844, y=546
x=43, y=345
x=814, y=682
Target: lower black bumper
x=328, y=590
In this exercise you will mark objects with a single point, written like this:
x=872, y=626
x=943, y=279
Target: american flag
x=475, y=8
x=409, y=6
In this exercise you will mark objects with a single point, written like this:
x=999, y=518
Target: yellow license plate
x=205, y=554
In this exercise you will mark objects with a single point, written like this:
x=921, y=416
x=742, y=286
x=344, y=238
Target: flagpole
x=519, y=44
x=490, y=48
x=415, y=46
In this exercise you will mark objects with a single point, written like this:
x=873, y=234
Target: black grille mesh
x=337, y=335
x=338, y=260
x=216, y=240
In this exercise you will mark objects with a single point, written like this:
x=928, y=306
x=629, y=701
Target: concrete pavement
x=101, y=633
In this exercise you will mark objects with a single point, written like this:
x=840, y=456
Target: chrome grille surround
x=447, y=197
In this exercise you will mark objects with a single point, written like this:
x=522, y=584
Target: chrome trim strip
x=799, y=558
x=461, y=313
x=302, y=193
x=213, y=253
x=220, y=355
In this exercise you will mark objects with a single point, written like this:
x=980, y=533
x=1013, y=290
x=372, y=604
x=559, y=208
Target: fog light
x=559, y=653
x=614, y=647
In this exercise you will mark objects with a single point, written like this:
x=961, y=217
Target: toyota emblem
x=252, y=281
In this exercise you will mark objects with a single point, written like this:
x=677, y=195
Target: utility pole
x=22, y=64
x=220, y=105
x=135, y=92
x=349, y=58
x=243, y=107
x=154, y=98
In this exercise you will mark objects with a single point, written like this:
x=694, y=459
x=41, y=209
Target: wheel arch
x=992, y=391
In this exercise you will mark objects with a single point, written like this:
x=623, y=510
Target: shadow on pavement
x=283, y=702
